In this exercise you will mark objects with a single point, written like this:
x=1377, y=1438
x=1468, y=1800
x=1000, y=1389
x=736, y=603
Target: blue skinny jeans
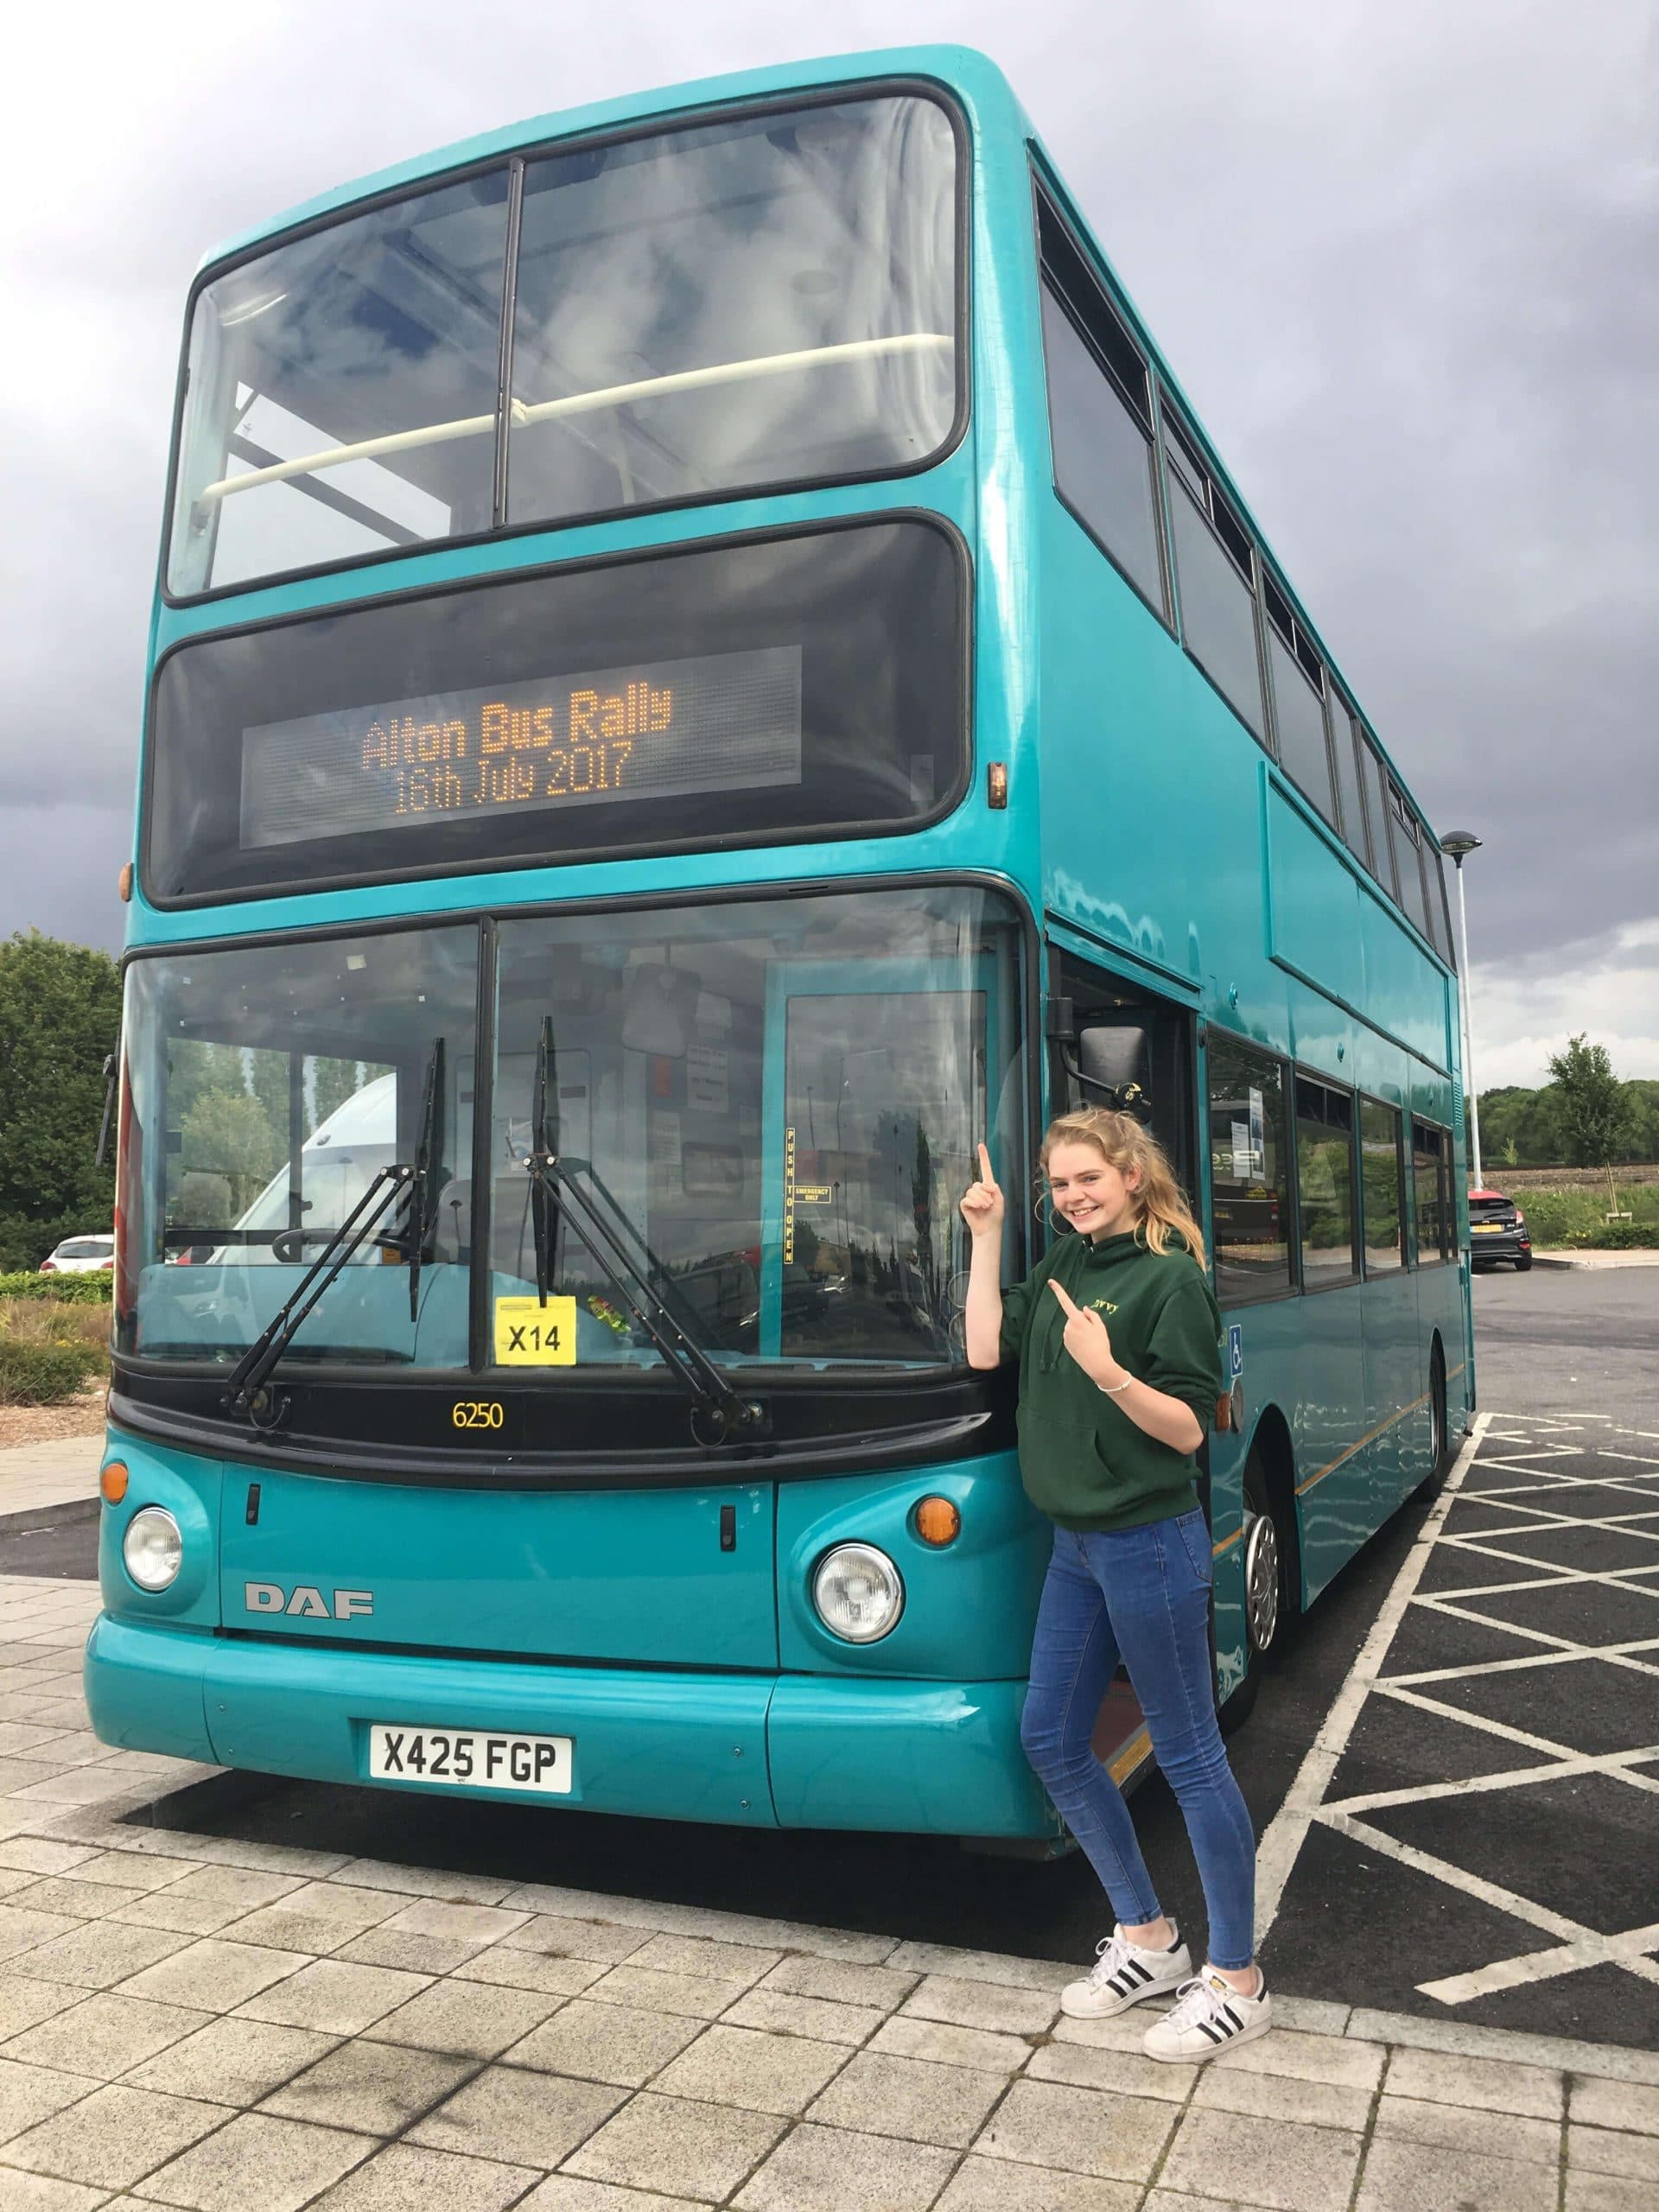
x=1141, y=1595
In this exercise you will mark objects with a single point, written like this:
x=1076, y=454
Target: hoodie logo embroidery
x=1101, y=1305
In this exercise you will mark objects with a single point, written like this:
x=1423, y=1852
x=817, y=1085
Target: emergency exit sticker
x=529, y=1334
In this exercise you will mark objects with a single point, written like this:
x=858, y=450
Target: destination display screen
x=662, y=730
x=710, y=697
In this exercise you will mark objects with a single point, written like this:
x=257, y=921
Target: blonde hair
x=1121, y=1142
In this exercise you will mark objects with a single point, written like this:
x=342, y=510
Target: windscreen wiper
x=246, y=1393
x=420, y=1202
x=719, y=1415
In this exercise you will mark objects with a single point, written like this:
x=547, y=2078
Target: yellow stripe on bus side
x=1138, y=1748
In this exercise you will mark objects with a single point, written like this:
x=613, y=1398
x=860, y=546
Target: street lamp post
x=1459, y=844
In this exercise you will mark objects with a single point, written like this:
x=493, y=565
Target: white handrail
x=580, y=403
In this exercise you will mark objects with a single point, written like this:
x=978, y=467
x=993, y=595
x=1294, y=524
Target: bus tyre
x=1439, y=1438
x=1269, y=1609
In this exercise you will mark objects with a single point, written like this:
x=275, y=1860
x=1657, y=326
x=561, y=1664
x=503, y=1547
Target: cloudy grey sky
x=1402, y=253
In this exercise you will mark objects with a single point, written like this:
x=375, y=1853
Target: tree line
x=1584, y=1117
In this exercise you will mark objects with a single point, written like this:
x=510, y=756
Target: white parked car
x=81, y=1255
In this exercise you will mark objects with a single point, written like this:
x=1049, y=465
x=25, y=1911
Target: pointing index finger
x=1064, y=1295
x=985, y=1174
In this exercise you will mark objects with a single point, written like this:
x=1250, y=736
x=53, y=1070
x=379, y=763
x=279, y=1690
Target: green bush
x=1577, y=1217
x=1615, y=1237
x=94, y=1289
x=43, y=1374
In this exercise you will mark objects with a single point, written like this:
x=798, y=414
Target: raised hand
x=1087, y=1339
x=982, y=1207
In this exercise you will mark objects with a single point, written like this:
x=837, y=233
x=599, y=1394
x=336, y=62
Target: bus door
x=874, y=1101
x=1112, y=1046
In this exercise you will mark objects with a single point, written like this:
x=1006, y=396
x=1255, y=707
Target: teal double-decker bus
x=703, y=667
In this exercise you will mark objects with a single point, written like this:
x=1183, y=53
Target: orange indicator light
x=996, y=785
x=937, y=1522
x=113, y=1482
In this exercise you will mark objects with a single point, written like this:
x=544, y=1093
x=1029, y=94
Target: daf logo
x=306, y=1601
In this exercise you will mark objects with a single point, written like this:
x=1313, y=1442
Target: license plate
x=441, y=1758
x=1486, y=1229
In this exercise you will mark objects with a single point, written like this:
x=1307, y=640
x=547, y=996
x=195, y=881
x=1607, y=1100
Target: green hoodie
x=1083, y=1460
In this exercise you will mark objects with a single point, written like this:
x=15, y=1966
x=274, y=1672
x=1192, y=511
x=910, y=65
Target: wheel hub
x=1260, y=1580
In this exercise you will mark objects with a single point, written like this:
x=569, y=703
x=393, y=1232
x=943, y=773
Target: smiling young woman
x=1117, y=1334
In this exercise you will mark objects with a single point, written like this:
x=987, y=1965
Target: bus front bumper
x=762, y=1751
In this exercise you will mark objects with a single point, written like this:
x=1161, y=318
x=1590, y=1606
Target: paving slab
x=258, y=2164
x=755, y=2071
x=232, y=2062
x=1270, y=2163
x=403, y=2174
x=29, y=2094
x=905, y=2038
x=1047, y=2123
x=1459, y=2128
x=910, y=2099
x=524, y=2119
x=1608, y=2150
x=376, y=2088
x=834, y=2170
x=605, y=2043
x=1399, y=2179
x=969, y=2004
x=105, y=2035
x=662, y=2143
x=114, y=2136
x=466, y=2017
x=993, y=2185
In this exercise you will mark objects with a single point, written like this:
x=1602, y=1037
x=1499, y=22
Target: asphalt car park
x=1453, y=1770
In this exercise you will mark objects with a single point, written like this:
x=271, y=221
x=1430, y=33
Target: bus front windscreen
x=772, y=1105
x=763, y=300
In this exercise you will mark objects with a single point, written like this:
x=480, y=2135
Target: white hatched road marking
x=1305, y=1803
x=1282, y=1844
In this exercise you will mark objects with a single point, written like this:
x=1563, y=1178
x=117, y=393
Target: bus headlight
x=153, y=1548
x=857, y=1592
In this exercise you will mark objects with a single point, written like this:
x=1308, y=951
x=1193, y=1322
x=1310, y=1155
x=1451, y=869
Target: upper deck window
x=1215, y=568
x=764, y=301
x=1099, y=413
x=340, y=393
x=1298, y=702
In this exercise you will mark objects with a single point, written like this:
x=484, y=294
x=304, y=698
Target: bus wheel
x=1268, y=1611
x=1440, y=1439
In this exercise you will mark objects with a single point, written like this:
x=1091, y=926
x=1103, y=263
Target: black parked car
x=1497, y=1230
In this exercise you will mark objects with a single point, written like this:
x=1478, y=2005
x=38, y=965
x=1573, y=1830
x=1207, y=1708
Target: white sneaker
x=1123, y=1974
x=1210, y=2018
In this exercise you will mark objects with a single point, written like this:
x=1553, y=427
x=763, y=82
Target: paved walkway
x=202, y=2023
x=1558, y=1256
x=59, y=1473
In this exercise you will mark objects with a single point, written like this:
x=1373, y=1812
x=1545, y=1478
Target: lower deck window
x=1249, y=1174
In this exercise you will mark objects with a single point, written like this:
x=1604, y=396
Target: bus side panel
x=1396, y=1368
x=1122, y=714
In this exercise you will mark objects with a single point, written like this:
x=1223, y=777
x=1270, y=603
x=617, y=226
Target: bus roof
x=960, y=67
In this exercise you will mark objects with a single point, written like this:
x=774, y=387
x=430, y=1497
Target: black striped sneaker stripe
x=1238, y=2024
x=1135, y=1966
x=1120, y=1984
x=1214, y=2034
